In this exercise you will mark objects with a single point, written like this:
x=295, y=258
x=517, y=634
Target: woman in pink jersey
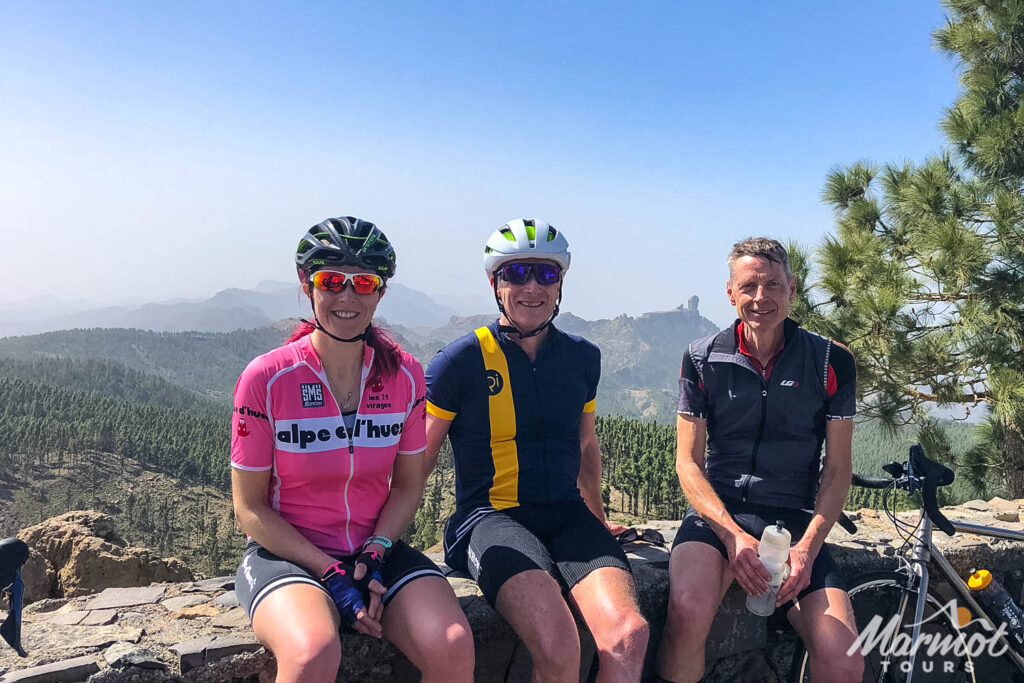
x=327, y=471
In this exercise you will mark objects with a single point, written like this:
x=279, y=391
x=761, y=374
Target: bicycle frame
x=918, y=558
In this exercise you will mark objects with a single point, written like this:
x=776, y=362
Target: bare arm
x=267, y=527
x=691, y=433
x=691, y=438
x=437, y=430
x=408, y=477
x=835, y=483
x=589, y=479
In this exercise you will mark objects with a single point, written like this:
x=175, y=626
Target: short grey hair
x=761, y=247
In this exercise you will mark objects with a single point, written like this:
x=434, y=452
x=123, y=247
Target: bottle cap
x=979, y=579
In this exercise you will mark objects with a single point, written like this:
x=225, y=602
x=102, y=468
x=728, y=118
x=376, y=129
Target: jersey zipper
x=760, y=434
x=351, y=446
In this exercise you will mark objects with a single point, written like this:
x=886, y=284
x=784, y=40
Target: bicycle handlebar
x=919, y=472
x=871, y=482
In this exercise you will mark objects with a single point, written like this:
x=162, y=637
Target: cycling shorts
x=262, y=572
x=753, y=519
x=564, y=539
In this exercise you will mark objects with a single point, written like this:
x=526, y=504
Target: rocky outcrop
x=80, y=552
x=195, y=631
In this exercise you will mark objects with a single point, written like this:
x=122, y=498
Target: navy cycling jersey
x=515, y=430
x=766, y=425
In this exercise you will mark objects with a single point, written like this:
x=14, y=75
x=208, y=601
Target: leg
x=514, y=571
x=299, y=624
x=594, y=567
x=532, y=603
x=698, y=579
x=606, y=598
x=425, y=622
x=825, y=622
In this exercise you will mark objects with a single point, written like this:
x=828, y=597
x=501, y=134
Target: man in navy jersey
x=763, y=395
x=516, y=398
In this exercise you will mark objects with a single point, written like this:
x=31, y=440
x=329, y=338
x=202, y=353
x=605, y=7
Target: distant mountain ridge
x=227, y=310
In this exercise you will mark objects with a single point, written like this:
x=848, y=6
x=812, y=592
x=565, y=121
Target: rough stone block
x=233, y=618
x=226, y=646
x=735, y=629
x=191, y=652
x=123, y=655
x=77, y=669
x=112, y=598
x=67, y=618
x=99, y=618
x=219, y=583
x=229, y=599
x=195, y=612
x=181, y=602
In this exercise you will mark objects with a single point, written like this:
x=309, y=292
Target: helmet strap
x=513, y=328
x=359, y=337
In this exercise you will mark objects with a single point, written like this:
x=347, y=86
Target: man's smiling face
x=529, y=305
x=761, y=291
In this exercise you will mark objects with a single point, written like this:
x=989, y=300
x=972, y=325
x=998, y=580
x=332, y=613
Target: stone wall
x=194, y=631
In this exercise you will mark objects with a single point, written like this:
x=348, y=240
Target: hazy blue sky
x=157, y=149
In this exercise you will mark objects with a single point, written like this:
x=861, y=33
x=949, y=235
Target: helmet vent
x=552, y=233
x=508, y=234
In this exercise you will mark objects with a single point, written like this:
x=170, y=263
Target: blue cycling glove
x=374, y=564
x=344, y=591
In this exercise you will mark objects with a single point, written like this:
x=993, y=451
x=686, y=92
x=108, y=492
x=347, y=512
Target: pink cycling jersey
x=328, y=483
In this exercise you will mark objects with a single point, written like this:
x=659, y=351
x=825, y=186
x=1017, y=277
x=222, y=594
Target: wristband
x=383, y=541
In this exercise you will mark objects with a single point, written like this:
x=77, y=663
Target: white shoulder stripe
x=251, y=469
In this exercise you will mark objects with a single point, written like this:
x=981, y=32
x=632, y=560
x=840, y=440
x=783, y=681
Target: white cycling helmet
x=525, y=238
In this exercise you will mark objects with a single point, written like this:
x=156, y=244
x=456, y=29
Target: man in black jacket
x=764, y=395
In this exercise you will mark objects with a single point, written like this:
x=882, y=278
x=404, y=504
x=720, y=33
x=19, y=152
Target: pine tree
x=924, y=277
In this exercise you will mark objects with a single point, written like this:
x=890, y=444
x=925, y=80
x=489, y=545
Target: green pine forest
x=92, y=433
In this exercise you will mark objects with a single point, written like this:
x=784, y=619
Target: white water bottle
x=774, y=552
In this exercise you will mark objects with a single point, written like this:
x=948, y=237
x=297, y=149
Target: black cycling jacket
x=765, y=433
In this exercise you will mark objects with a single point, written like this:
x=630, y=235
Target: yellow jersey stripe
x=588, y=407
x=440, y=412
x=504, y=492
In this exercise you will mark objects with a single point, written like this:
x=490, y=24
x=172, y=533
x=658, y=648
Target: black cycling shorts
x=564, y=539
x=753, y=519
x=262, y=572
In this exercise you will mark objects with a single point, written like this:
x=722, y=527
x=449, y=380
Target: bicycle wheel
x=880, y=597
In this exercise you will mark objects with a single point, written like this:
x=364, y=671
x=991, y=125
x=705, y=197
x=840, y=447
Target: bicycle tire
x=880, y=594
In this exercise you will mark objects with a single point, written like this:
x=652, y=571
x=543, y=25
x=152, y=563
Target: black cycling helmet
x=345, y=241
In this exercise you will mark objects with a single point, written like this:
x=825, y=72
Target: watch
x=383, y=541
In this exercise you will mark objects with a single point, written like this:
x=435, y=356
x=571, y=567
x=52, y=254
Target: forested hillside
x=204, y=362
x=147, y=441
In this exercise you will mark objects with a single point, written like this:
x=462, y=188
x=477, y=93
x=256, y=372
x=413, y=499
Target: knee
x=841, y=667
x=627, y=637
x=449, y=653
x=689, y=612
x=310, y=651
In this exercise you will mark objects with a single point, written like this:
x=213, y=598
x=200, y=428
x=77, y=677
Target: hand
x=368, y=577
x=340, y=583
x=614, y=527
x=800, y=562
x=750, y=572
